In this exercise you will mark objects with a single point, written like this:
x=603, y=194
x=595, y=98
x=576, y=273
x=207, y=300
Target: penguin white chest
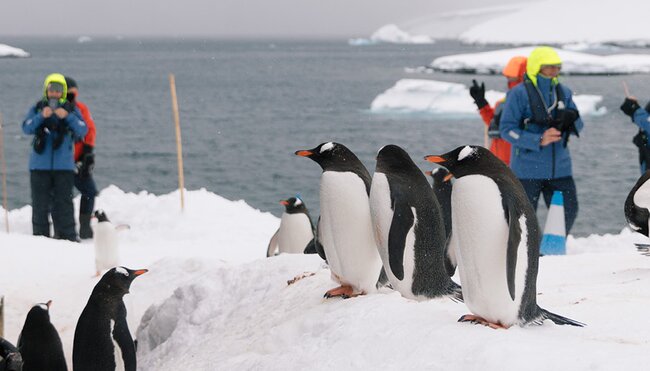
x=295, y=233
x=117, y=351
x=106, y=246
x=345, y=230
x=382, y=218
x=481, y=240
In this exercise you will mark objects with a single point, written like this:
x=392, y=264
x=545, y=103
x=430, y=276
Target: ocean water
x=246, y=106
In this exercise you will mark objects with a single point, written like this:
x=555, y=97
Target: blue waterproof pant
x=52, y=193
x=566, y=185
x=88, y=189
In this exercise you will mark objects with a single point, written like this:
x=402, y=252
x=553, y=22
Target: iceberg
x=573, y=63
x=392, y=34
x=7, y=51
x=431, y=97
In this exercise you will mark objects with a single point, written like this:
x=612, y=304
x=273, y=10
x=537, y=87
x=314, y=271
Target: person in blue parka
x=55, y=123
x=538, y=118
x=641, y=117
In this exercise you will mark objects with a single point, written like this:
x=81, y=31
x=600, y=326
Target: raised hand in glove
x=478, y=93
x=86, y=162
x=629, y=106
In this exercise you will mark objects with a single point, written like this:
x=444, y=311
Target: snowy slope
x=212, y=301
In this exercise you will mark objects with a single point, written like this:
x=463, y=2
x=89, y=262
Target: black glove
x=478, y=93
x=565, y=120
x=629, y=106
x=86, y=162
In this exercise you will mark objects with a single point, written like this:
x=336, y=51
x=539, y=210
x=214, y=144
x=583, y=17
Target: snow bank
x=212, y=301
x=623, y=22
x=392, y=34
x=10, y=51
x=574, y=63
x=415, y=96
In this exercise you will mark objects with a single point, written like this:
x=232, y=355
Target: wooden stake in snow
x=3, y=163
x=626, y=89
x=179, y=146
x=2, y=316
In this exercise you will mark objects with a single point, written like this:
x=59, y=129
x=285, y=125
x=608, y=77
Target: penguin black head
x=394, y=159
x=332, y=156
x=294, y=205
x=439, y=175
x=38, y=316
x=117, y=281
x=101, y=216
x=466, y=160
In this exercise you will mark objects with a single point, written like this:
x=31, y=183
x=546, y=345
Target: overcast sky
x=220, y=18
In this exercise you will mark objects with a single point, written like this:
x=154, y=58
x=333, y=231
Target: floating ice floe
x=84, y=39
x=7, y=51
x=392, y=34
x=573, y=63
x=419, y=96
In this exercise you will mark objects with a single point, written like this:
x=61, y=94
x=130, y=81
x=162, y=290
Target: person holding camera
x=84, y=159
x=514, y=73
x=55, y=123
x=641, y=117
x=538, y=118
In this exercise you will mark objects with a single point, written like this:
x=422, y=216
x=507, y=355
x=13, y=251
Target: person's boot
x=85, y=231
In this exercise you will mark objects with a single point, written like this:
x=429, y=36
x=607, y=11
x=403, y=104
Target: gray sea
x=247, y=105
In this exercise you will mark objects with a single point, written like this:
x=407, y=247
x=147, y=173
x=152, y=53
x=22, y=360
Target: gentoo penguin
x=344, y=229
x=409, y=229
x=10, y=358
x=296, y=229
x=637, y=205
x=497, y=237
x=39, y=342
x=107, y=254
x=102, y=340
x=442, y=189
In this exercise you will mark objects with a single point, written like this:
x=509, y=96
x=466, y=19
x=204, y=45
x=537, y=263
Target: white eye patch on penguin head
x=466, y=152
x=327, y=147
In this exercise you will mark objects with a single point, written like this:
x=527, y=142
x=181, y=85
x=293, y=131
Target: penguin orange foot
x=345, y=292
x=480, y=320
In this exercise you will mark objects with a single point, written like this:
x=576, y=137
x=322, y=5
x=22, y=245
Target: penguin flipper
x=314, y=247
x=450, y=256
x=514, y=238
x=400, y=226
x=560, y=320
x=273, y=244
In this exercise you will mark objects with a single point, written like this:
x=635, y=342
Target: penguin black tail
x=455, y=292
x=560, y=320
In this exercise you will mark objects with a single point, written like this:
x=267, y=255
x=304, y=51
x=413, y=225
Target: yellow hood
x=58, y=78
x=538, y=57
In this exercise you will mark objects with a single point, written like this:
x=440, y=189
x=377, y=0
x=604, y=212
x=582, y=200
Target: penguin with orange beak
x=496, y=236
x=295, y=231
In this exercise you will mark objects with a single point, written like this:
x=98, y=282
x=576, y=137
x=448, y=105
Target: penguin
x=496, y=236
x=344, y=230
x=637, y=205
x=39, y=342
x=107, y=254
x=442, y=189
x=102, y=340
x=296, y=229
x=409, y=228
x=10, y=358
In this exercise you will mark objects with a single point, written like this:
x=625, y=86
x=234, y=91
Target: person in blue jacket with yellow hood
x=538, y=118
x=55, y=124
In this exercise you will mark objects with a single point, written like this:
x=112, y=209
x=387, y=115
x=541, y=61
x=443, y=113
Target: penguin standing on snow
x=102, y=340
x=497, y=237
x=409, y=229
x=39, y=342
x=442, y=189
x=637, y=205
x=344, y=229
x=296, y=229
x=107, y=254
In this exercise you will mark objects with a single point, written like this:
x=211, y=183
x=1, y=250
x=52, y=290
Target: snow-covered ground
x=392, y=34
x=13, y=52
x=624, y=22
x=211, y=301
x=418, y=96
x=574, y=63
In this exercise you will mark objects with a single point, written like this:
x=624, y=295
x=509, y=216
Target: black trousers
x=52, y=193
